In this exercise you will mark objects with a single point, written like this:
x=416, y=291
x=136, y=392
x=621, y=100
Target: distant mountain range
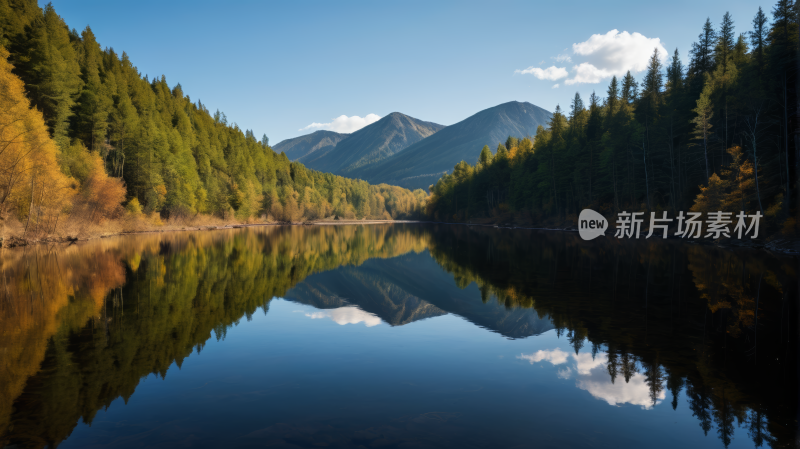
x=408, y=152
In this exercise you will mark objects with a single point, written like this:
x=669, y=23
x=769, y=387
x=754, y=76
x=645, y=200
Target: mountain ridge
x=317, y=143
x=422, y=163
x=409, y=288
x=411, y=153
x=388, y=136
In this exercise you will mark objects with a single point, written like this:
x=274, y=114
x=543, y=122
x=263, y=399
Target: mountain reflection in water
x=705, y=333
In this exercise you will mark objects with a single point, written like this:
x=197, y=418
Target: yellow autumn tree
x=741, y=181
x=292, y=210
x=711, y=197
x=731, y=192
x=32, y=186
x=100, y=196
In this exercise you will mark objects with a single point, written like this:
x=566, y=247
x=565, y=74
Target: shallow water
x=396, y=336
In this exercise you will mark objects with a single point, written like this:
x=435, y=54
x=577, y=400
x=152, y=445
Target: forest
x=86, y=138
x=716, y=133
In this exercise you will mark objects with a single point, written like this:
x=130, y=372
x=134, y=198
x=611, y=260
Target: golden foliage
x=731, y=192
x=100, y=195
x=32, y=185
x=711, y=197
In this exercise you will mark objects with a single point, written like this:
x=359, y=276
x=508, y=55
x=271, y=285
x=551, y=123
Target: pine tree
x=630, y=88
x=652, y=85
x=593, y=135
x=726, y=42
x=702, y=125
x=703, y=50
x=612, y=97
x=47, y=63
x=758, y=38
x=94, y=104
x=576, y=107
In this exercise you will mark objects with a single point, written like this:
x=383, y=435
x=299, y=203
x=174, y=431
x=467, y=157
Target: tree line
x=726, y=122
x=86, y=132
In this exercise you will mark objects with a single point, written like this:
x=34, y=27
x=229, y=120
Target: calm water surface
x=396, y=336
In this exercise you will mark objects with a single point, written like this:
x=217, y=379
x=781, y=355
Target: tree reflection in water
x=647, y=321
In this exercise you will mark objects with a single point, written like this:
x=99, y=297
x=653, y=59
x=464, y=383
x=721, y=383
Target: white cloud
x=551, y=73
x=588, y=73
x=556, y=86
x=345, y=124
x=346, y=315
x=563, y=58
x=601, y=57
x=584, y=363
x=591, y=375
x=556, y=356
x=613, y=53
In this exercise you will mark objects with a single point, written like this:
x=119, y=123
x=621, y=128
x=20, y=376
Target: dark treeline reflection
x=80, y=326
x=716, y=326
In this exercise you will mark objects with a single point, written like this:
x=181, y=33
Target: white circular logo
x=591, y=224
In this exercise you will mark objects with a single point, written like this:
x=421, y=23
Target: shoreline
x=784, y=246
x=17, y=242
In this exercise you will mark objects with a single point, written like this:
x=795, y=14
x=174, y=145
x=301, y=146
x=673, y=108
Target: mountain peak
x=422, y=163
x=391, y=134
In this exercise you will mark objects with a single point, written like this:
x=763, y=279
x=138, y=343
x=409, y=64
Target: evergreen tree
x=726, y=44
x=703, y=50
x=758, y=38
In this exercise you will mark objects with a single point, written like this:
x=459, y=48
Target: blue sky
x=278, y=67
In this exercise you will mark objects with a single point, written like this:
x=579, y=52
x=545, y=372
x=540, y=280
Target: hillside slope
x=371, y=144
x=309, y=146
x=423, y=163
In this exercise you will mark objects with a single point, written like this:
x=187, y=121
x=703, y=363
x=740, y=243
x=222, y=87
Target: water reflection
x=715, y=323
x=591, y=373
x=81, y=325
x=345, y=315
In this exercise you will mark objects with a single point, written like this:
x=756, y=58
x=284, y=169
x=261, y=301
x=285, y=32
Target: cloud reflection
x=346, y=315
x=556, y=356
x=591, y=374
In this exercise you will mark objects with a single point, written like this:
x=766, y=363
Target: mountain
x=411, y=287
x=422, y=163
x=371, y=144
x=363, y=287
x=310, y=146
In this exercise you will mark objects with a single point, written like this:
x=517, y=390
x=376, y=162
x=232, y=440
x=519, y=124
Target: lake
x=396, y=336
